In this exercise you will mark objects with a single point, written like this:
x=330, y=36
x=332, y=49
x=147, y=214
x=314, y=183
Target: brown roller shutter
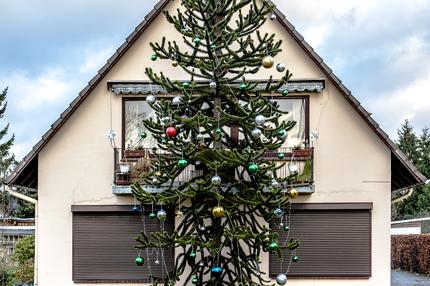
x=103, y=245
x=335, y=241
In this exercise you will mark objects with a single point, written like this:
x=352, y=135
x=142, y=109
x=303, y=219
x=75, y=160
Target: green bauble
x=273, y=246
x=152, y=216
x=142, y=135
x=197, y=40
x=253, y=168
x=286, y=228
x=164, y=140
x=182, y=163
x=218, y=131
x=281, y=133
x=139, y=260
x=285, y=92
x=192, y=254
x=213, y=47
x=295, y=258
x=186, y=84
x=242, y=86
x=154, y=57
x=195, y=280
x=281, y=155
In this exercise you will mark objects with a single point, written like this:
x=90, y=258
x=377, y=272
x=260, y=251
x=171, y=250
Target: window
x=103, y=245
x=335, y=241
x=297, y=108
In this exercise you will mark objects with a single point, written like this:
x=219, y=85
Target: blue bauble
x=216, y=270
x=278, y=212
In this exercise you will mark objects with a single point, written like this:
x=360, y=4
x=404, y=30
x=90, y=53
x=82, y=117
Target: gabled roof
x=404, y=173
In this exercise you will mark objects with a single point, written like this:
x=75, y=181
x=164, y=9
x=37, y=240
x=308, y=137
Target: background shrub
x=411, y=253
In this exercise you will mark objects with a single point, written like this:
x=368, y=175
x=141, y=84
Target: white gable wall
x=76, y=167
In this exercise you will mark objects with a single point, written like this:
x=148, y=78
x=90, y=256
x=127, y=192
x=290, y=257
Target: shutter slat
x=103, y=247
x=334, y=243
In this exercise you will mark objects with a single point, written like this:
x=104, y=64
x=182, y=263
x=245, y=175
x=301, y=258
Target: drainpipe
x=403, y=197
x=34, y=202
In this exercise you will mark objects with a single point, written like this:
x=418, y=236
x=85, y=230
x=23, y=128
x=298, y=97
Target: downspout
x=34, y=202
x=402, y=197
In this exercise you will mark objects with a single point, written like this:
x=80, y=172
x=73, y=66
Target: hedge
x=411, y=253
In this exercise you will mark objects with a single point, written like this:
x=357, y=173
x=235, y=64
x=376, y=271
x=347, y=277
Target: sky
x=50, y=49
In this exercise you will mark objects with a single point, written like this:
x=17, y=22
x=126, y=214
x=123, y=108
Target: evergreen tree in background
x=417, y=148
x=225, y=208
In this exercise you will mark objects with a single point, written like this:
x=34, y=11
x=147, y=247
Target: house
x=409, y=226
x=87, y=217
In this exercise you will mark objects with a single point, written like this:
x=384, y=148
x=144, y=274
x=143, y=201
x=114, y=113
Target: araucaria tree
x=219, y=125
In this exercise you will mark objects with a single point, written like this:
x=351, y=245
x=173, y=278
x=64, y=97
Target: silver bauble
x=280, y=67
x=269, y=174
x=274, y=184
x=157, y=262
x=212, y=84
x=201, y=264
x=202, y=228
x=162, y=215
x=151, y=99
x=260, y=120
x=176, y=100
x=256, y=133
x=273, y=17
x=216, y=180
x=281, y=279
x=278, y=212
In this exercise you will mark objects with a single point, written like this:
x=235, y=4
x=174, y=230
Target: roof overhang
x=404, y=173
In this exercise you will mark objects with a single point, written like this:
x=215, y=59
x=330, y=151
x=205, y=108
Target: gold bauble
x=268, y=62
x=175, y=63
x=179, y=214
x=158, y=173
x=218, y=211
x=292, y=193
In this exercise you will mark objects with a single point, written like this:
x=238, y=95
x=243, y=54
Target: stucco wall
x=76, y=167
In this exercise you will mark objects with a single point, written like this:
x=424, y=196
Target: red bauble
x=171, y=131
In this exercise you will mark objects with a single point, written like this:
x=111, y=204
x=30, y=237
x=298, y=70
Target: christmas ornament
x=216, y=270
x=182, y=163
x=163, y=140
x=154, y=57
x=268, y=62
x=286, y=228
x=274, y=184
x=285, y=92
x=135, y=208
x=293, y=168
x=150, y=99
x=282, y=134
x=280, y=67
x=179, y=214
x=256, y=133
x=152, y=215
x=192, y=254
x=171, y=131
x=186, y=84
x=139, y=260
x=157, y=262
x=197, y=40
x=162, y=215
x=176, y=100
x=281, y=279
x=202, y=228
x=218, y=211
x=278, y=212
x=155, y=180
x=253, y=168
x=269, y=174
x=260, y=120
x=242, y=86
x=295, y=258
x=212, y=85
x=273, y=246
x=201, y=264
x=292, y=193
x=281, y=155
x=158, y=174
x=218, y=131
x=142, y=135
x=195, y=280
x=175, y=63
x=273, y=17
x=216, y=180
x=213, y=47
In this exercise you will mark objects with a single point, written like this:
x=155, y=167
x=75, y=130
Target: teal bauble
x=192, y=255
x=195, y=280
x=242, y=86
x=281, y=155
x=139, y=260
x=218, y=131
x=182, y=163
x=253, y=168
x=142, y=135
x=152, y=216
x=154, y=57
x=286, y=228
x=186, y=84
x=213, y=47
x=197, y=40
x=285, y=92
x=295, y=258
x=273, y=246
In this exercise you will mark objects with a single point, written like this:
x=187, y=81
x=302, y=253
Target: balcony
x=129, y=165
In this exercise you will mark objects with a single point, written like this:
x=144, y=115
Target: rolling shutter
x=103, y=245
x=335, y=241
